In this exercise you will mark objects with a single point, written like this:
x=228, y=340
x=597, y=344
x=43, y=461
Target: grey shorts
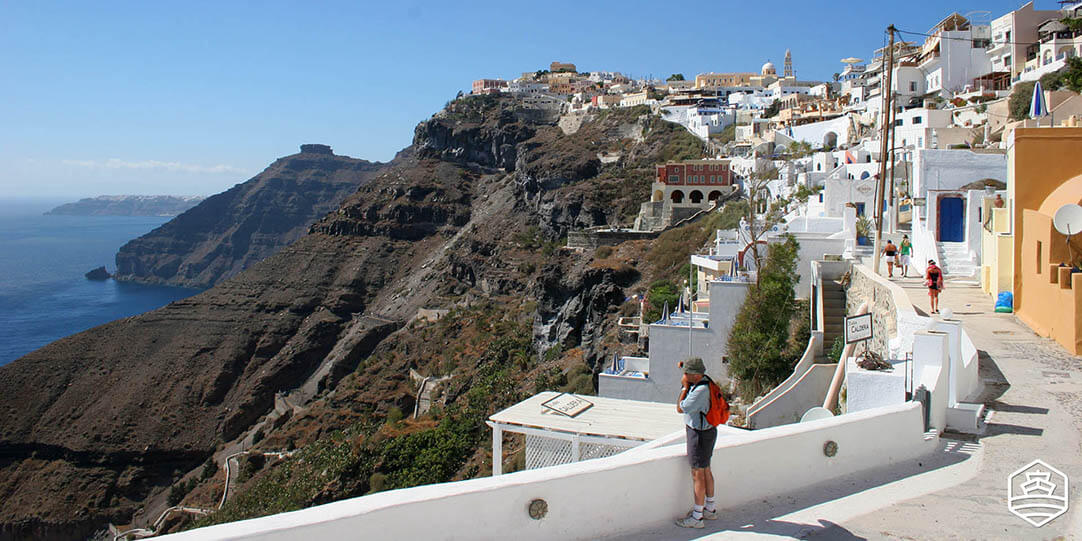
x=701, y=446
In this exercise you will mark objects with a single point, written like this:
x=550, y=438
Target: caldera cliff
x=314, y=349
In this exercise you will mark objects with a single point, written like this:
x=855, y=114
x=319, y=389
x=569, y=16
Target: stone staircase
x=833, y=313
x=955, y=261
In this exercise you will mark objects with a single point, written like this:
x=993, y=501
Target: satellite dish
x=1068, y=219
x=815, y=414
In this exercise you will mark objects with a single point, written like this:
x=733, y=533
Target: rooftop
x=607, y=417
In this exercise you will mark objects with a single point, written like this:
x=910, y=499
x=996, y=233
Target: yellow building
x=718, y=80
x=1045, y=172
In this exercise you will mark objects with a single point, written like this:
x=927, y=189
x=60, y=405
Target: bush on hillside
x=1018, y=103
x=759, y=352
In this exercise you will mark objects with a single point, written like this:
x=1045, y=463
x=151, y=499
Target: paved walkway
x=1034, y=390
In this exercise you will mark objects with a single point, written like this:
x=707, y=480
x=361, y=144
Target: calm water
x=43, y=294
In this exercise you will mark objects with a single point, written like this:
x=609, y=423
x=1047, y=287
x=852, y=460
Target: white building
x=1011, y=33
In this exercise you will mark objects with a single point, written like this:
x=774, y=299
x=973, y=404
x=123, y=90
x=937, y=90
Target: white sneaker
x=710, y=515
x=689, y=522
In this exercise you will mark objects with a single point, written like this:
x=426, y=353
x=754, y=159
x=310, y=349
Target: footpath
x=1033, y=390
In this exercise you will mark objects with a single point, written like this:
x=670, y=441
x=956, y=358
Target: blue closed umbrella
x=1037, y=107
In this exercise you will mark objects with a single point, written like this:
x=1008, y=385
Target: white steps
x=955, y=260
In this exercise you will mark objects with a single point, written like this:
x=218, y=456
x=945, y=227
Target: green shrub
x=1019, y=101
x=758, y=353
x=835, y=353
x=603, y=252
x=210, y=469
x=394, y=414
x=178, y=491
x=377, y=482
x=660, y=293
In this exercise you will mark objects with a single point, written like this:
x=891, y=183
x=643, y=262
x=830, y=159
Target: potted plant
x=864, y=229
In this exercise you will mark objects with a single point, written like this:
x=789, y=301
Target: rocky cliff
x=312, y=348
x=230, y=231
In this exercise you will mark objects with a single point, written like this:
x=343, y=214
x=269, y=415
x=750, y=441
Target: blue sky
x=192, y=97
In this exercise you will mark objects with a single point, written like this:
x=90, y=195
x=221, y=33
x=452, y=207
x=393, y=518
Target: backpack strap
x=705, y=381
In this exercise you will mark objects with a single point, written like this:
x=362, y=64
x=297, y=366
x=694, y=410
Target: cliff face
x=97, y=426
x=230, y=231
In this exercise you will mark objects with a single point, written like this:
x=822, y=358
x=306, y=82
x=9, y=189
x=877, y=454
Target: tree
x=676, y=77
x=1018, y=103
x=761, y=214
x=758, y=356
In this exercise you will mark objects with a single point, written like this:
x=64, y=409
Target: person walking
x=905, y=248
x=888, y=254
x=694, y=402
x=933, y=278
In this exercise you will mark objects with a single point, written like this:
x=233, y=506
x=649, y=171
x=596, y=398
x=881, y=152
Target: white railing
x=623, y=494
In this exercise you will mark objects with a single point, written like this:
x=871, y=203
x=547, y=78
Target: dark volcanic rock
x=230, y=231
x=96, y=425
x=98, y=274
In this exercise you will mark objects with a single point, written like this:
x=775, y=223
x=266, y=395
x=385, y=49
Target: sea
x=44, y=294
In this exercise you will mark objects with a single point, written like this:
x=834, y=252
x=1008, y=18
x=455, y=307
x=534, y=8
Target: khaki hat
x=694, y=365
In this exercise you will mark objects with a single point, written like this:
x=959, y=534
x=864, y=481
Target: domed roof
x=768, y=69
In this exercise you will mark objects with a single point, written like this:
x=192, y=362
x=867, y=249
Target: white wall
x=813, y=246
x=619, y=495
x=669, y=346
x=952, y=169
x=816, y=132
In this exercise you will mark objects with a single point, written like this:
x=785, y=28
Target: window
x=820, y=197
x=897, y=122
x=916, y=120
x=912, y=86
x=1039, y=257
x=674, y=179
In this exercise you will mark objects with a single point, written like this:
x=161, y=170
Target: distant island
x=128, y=205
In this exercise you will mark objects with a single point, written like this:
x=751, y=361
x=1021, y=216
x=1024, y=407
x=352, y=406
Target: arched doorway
x=658, y=196
x=714, y=196
x=696, y=197
x=677, y=196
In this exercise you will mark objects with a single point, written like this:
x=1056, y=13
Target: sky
x=190, y=98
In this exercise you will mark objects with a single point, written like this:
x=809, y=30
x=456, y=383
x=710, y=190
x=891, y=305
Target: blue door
x=952, y=224
x=860, y=209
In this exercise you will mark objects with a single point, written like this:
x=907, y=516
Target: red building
x=699, y=172
x=696, y=182
x=488, y=86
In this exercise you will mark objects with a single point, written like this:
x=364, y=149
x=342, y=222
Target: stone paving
x=1034, y=391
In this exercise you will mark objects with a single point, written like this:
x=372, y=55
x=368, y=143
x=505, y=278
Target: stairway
x=833, y=313
x=956, y=261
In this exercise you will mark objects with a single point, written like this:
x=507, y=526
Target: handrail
x=839, y=373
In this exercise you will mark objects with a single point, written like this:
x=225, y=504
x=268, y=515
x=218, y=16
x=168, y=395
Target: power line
x=971, y=40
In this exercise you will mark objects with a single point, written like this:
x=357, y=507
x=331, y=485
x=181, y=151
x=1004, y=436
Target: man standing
x=694, y=403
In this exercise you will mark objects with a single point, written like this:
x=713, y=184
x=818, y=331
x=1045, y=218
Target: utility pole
x=888, y=105
x=892, y=195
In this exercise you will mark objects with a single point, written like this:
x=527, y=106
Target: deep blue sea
x=43, y=293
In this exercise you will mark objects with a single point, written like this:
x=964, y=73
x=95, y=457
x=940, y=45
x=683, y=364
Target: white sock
x=710, y=504
x=697, y=512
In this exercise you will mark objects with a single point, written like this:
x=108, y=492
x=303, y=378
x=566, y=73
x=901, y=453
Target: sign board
x=567, y=404
x=858, y=328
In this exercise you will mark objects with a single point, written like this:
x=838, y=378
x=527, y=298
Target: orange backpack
x=718, y=414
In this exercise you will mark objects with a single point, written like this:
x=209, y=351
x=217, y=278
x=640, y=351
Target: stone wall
x=594, y=239
x=862, y=287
